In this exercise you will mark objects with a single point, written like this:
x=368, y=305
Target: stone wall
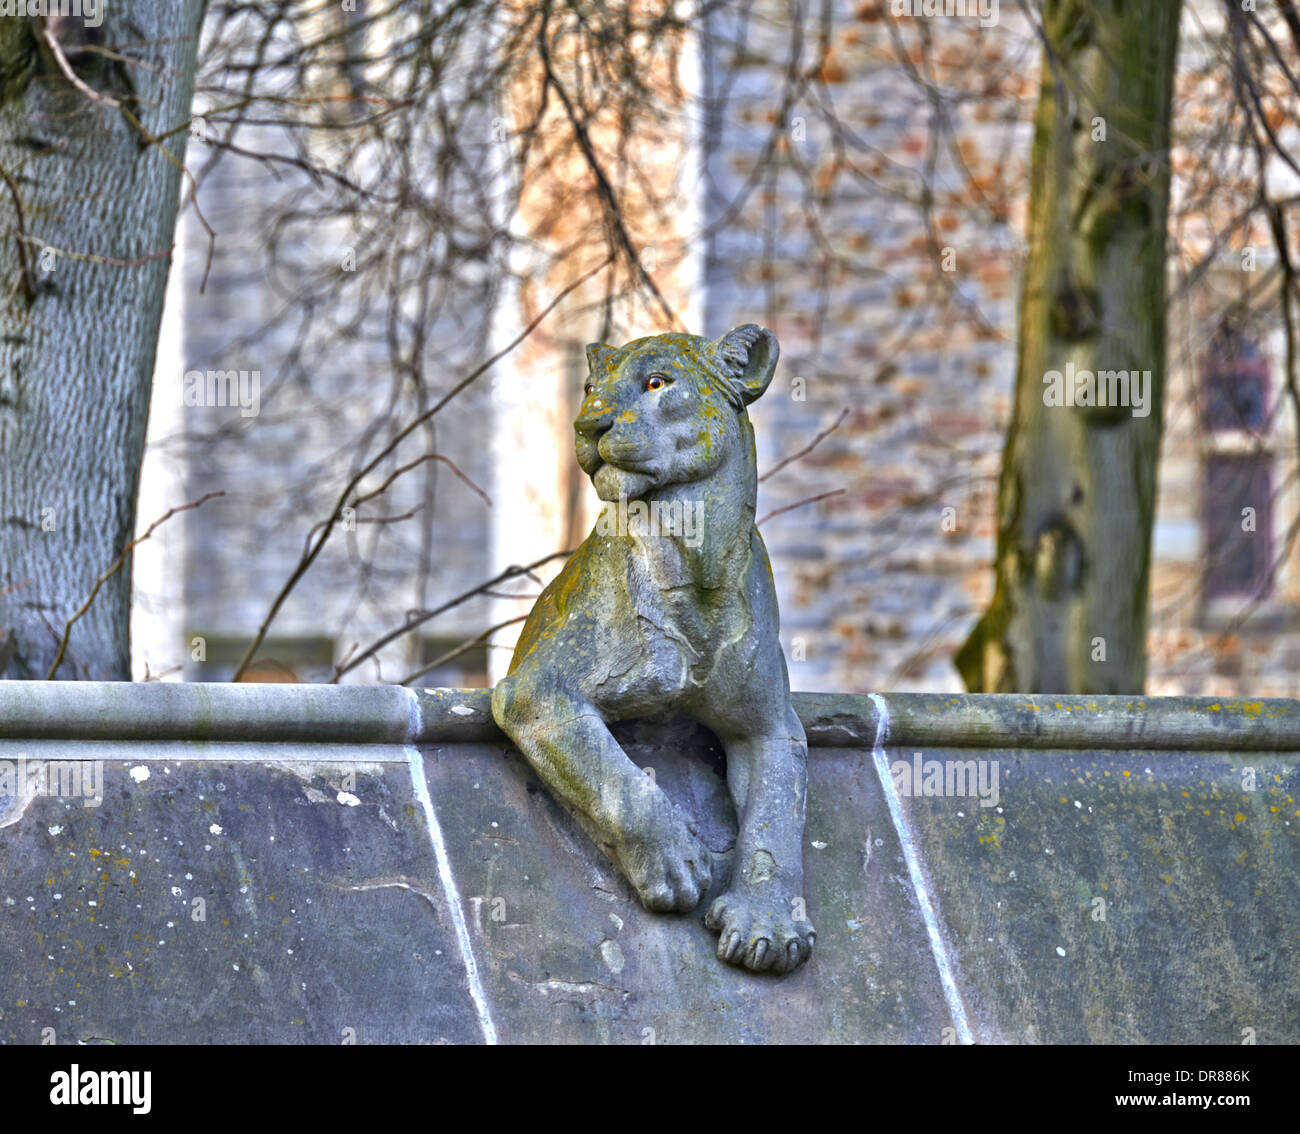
x=296, y=864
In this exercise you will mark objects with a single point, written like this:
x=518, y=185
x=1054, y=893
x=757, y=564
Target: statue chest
x=681, y=632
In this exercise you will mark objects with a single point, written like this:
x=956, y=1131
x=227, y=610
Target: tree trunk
x=88, y=218
x=1077, y=493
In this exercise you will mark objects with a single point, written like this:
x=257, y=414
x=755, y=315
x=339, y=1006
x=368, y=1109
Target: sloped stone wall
x=298, y=865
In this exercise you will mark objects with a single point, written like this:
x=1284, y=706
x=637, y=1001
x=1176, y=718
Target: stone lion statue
x=667, y=609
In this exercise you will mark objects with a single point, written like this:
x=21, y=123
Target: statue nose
x=593, y=422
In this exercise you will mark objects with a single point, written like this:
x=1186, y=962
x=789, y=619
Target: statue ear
x=747, y=355
x=597, y=355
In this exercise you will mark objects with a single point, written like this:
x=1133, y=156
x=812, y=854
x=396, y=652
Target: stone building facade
x=881, y=582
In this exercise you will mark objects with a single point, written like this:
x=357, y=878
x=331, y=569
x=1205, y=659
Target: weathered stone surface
x=1200, y=937
x=320, y=916
x=1198, y=881
x=576, y=959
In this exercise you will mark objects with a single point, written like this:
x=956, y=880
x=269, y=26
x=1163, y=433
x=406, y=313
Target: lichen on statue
x=668, y=608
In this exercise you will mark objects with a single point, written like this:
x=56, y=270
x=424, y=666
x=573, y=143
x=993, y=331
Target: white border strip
x=415, y=762
x=955, y=1006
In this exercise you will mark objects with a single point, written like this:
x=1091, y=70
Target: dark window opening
x=1238, y=508
x=278, y=659
x=1235, y=384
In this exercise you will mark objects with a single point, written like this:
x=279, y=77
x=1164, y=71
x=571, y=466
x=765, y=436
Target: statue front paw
x=758, y=930
x=665, y=862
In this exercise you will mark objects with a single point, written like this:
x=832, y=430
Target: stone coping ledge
x=389, y=715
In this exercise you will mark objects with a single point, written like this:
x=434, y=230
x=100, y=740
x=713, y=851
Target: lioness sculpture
x=668, y=608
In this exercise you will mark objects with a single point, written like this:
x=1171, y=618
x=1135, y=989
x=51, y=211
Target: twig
x=405, y=432
x=801, y=503
x=464, y=647
x=418, y=618
x=776, y=468
x=91, y=258
x=419, y=461
x=608, y=196
x=85, y=606
x=25, y=268
x=306, y=546
x=52, y=41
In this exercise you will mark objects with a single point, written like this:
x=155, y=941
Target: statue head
x=670, y=409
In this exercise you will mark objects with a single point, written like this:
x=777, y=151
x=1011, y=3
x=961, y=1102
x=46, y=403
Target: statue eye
x=657, y=382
